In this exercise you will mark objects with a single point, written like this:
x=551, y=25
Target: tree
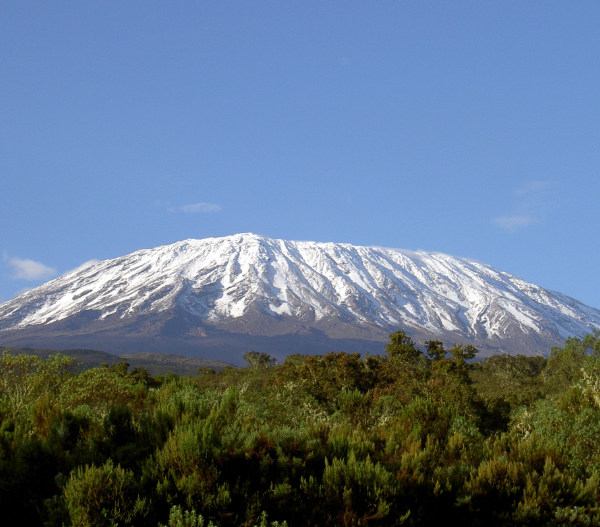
x=435, y=349
x=259, y=359
x=462, y=353
x=402, y=346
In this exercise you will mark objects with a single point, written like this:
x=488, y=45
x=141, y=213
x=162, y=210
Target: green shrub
x=181, y=518
x=104, y=496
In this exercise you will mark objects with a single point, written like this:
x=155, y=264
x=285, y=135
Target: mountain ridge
x=252, y=285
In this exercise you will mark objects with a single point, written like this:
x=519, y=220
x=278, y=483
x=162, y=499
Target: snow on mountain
x=219, y=280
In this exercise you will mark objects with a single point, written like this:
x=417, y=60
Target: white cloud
x=532, y=187
x=530, y=207
x=200, y=207
x=24, y=269
x=512, y=223
x=23, y=290
x=89, y=263
x=194, y=208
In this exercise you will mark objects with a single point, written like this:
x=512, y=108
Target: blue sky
x=470, y=128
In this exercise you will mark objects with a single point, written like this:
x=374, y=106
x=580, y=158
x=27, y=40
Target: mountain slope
x=220, y=289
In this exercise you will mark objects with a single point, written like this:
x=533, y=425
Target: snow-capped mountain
x=204, y=292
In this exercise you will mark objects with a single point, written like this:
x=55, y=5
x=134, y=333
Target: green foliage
x=98, y=389
x=353, y=492
x=265, y=523
x=435, y=349
x=181, y=518
x=409, y=438
x=402, y=346
x=325, y=377
x=25, y=379
x=566, y=364
x=518, y=380
x=355, y=406
x=103, y=496
x=259, y=359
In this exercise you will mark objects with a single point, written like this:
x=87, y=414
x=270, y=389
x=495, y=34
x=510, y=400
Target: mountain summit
x=221, y=296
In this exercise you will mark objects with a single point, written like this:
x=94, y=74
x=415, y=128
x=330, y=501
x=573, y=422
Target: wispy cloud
x=24, y=269
x=195, y=208
x=200, y=207
x=533, y=188
x=529, y=208
x=81, y=267
x=23, y=290
x=513, y=223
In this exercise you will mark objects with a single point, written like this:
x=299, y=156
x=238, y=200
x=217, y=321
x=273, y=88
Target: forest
x=414, y=437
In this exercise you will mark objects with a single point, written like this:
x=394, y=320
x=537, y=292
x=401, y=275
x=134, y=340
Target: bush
x=103, y=496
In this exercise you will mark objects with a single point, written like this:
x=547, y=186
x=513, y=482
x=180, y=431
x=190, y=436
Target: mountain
x=219, y=297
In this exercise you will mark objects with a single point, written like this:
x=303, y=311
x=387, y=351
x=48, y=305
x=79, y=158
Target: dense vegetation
x=409, y=438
